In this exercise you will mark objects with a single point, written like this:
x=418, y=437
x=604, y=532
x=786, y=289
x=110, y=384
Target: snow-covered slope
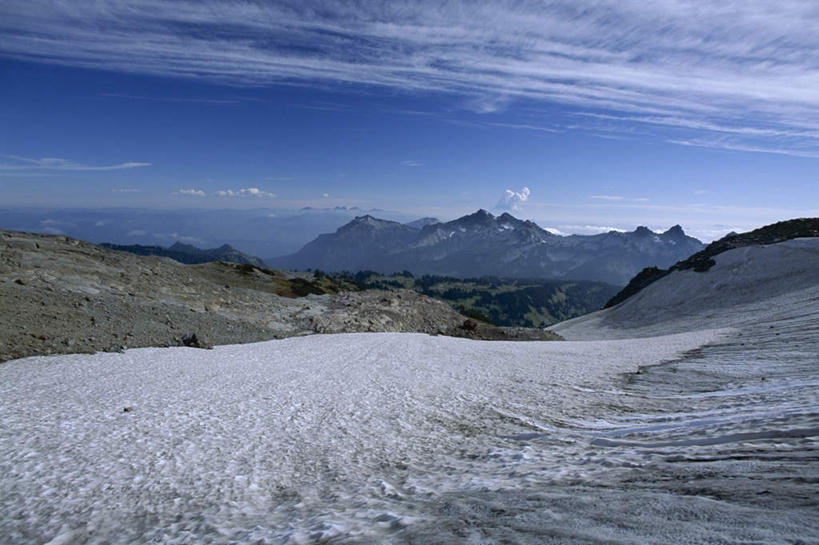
x=745, y=284
x=318, y=436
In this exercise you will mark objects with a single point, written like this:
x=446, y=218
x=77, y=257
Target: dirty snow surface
x=707, y=436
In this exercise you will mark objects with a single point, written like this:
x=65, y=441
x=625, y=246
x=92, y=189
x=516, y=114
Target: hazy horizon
x=165, y=226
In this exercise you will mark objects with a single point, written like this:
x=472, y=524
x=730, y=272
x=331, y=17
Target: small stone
x=195, y=341
x=470, y=325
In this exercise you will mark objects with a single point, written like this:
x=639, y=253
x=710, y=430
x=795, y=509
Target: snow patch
x=296, y=440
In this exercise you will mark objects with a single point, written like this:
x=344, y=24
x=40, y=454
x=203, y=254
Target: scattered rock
x=195, y=341
x=470, y=325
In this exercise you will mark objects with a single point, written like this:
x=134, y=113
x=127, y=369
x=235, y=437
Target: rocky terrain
x=62, y=295
x=189, y=254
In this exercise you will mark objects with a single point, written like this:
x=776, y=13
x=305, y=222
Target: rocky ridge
x=62, y=295
x=189, y=254
x=704, y=260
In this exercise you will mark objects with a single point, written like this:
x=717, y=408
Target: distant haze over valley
x=264, y=232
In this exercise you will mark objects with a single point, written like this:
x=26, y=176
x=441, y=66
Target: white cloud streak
x=747, y=69
x=244, y=192
x=724, y=144
x=608, y=197
x=618, y=198
x=192, y=192
x=17, y=163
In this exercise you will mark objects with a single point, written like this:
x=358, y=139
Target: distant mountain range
x=482, y=244
x=186, y=253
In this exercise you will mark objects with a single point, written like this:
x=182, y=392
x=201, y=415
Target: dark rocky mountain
x=189, y=254
x=423, y=222
x=482, y=244
x=358, y=245
x=703, y=260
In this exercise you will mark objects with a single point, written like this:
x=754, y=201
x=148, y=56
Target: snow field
x=296, y=440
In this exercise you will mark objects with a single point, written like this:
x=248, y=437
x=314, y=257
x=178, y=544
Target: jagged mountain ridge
x=191, y=255
x=703, y=260
x=483, y=244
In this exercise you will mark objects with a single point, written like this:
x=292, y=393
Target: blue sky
x=580, y=115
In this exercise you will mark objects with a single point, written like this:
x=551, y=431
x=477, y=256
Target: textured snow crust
x=299, y=440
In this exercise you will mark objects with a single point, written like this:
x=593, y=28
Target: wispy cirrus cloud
x=618, y=198
x=194, y=100
x=17, y=163
x=525, y=127
x=748, y=70
x=725, y=144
